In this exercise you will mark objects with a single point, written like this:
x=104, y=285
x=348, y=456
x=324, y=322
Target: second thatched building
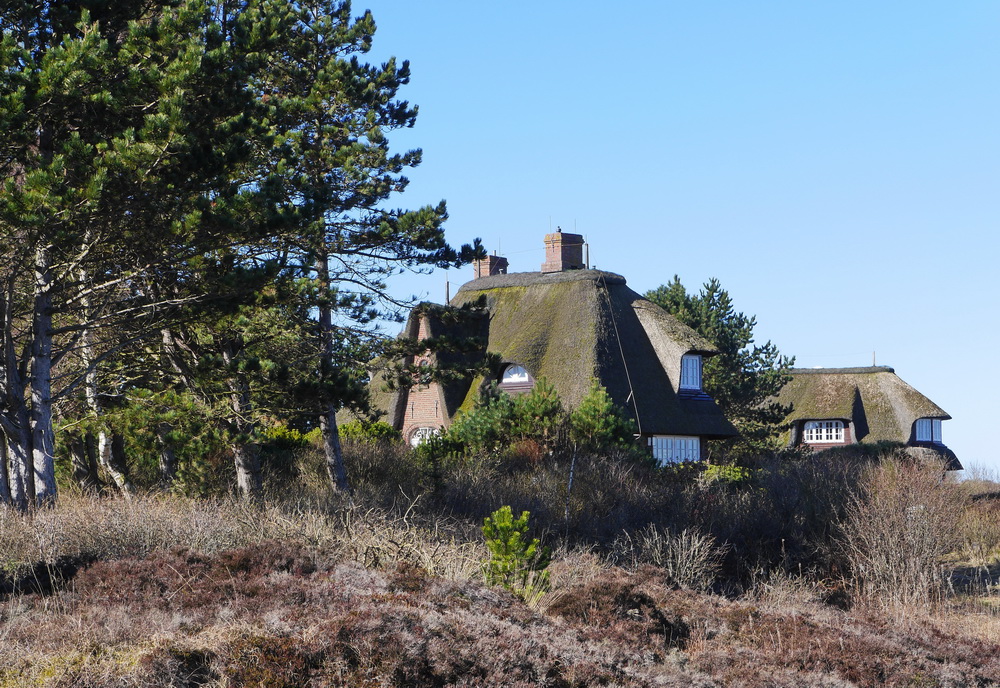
x=833, y=407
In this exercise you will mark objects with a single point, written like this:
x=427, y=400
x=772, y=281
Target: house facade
x=833, y=407
x=569, y=324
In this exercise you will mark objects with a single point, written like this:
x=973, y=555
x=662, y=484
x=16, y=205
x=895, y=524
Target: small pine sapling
x=515, y=563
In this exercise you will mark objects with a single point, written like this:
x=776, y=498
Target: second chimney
x=563, y=252
x=491, y=265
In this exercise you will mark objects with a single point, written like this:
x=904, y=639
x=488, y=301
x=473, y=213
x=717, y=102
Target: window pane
x=673, y=449
x=691, y=372
x=514, y=374
x=820, y=431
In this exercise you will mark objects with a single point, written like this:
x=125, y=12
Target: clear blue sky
x=834, y=164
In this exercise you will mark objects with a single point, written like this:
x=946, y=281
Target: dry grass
x=387, y=590
x=82, y=529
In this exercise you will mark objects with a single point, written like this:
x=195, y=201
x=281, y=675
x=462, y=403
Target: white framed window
x=817, y=431
x=515, y=375
x=421, y=435
x=675, y=448
x=691, y=372
x=928, y=430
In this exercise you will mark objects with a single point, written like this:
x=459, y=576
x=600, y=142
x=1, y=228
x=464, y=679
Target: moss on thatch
x=570, y=327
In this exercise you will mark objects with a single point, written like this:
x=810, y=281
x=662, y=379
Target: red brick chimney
x=491, y=265
x=563, y=252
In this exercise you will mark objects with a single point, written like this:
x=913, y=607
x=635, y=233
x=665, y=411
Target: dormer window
x=929, y=430
x=515, y=375
x=516, y=379
x=823, y=431
x=691, y=372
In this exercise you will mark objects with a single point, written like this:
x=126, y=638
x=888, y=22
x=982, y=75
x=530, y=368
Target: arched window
x=823, y=431
x=516, y=379
x=421, y=435
x=515, y=375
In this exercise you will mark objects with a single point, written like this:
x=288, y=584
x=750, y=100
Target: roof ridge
x=828, y=371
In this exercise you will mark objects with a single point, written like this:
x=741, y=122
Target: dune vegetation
x=842, y=569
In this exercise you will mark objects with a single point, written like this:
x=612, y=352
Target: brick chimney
x=491, y=265
x=563, y=252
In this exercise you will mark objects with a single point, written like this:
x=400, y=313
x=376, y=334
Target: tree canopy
x=186, y=183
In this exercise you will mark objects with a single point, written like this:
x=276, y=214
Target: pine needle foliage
x=515, y=563
x=598, y=422
x=744, y=377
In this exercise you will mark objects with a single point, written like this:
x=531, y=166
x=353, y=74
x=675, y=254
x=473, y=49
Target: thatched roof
x=876, y=400
x=571, y=326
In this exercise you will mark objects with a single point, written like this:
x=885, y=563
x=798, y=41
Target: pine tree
x=122, y=123
x=332, y=175
x=598, y=423
x=744, y=377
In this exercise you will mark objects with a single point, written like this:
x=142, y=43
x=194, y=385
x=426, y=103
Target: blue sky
x=835, y=165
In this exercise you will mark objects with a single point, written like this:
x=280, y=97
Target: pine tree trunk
x=5, y=497
x=15, y=420
x=248, y=476
x=42, y=435
x=111, y=455
x=84, y=471
x=168, y=459
x=246, y=458
x=22, y=484
x=328, y=418
x=332, y=449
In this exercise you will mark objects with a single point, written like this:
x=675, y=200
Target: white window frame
x=823, y=432
x=668, y=449
x=515, y=374
x=929, y=430
x=420, y=435
x=691, y=372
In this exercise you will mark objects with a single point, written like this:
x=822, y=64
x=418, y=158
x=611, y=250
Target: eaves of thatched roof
x=569, y=327
x=880, y=404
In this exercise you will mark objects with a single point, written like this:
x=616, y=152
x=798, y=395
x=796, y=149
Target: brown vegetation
x=388, y=590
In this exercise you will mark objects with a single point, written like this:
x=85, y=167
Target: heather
x=846, y=569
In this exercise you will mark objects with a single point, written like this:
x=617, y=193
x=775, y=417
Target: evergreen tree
x=121, y=124
x=744, y=377
x=332, y=173
x=153, y=152
x=598, y=423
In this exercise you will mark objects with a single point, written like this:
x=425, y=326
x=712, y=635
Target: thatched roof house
x=569, y=324
x=839, y=406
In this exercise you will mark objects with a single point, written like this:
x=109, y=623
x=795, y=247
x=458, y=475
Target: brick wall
x=424, y=403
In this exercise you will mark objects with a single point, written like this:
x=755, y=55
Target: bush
x=690, y=559
x=538, y=420
x=369, y=431
x=900, y=523
x=598, y=423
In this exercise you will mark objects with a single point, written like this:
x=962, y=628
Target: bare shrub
x=902, y=520
x=979, y=530
x=779, y=590
x=379, y=540
x=689, y=558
